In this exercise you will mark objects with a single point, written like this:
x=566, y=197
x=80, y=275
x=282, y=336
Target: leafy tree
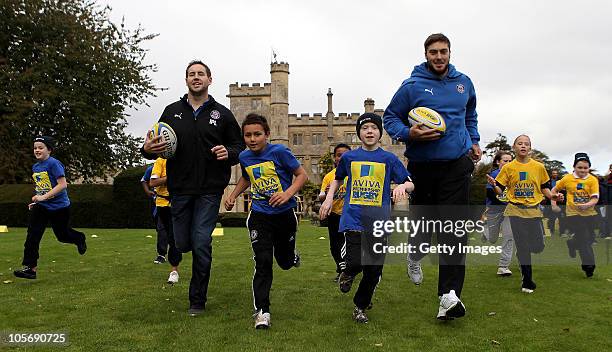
x=500, y=143
x=548, y=164
x=67, y=71
x=326, y=163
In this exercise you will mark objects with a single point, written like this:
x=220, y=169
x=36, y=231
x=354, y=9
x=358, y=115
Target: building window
x=351, y=138
x=314, y=165
x=297, y=139
x=317, y=138
x=256, y=104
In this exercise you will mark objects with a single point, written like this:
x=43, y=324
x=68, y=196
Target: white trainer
x=501, y=271
x=262, y=320
x=526, y=290
x=450, y=306
x=414, y=271
x=173, y=278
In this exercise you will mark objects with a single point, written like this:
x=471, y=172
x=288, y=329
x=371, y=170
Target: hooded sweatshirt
x=452, y=96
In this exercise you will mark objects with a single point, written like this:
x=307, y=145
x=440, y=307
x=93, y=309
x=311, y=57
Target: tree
x=326, y=163
x=500, y=143
x=67, y=71
x=548, y=164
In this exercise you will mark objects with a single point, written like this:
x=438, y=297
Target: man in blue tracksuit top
x=441, y=164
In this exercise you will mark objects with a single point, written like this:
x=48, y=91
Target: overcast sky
x=539, y=67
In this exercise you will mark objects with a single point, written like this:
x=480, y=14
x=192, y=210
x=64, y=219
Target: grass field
x=115, y=299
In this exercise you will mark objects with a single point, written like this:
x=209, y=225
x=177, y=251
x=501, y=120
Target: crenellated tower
x=279, y=102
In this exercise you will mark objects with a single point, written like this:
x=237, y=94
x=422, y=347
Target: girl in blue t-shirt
x=269, y=170
x=495, y=219
x=49, y=204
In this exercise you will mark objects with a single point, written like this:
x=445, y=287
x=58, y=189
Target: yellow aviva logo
x=264, y=180
x=43, y=183
x=368, y=179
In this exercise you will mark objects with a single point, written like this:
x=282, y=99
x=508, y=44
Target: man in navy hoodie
x=441, y=164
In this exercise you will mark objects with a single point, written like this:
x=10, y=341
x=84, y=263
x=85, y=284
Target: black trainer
x=194, y=311
x=345, y=282
x=298, y=260
x=82, y=246
x=25, y=273
x=159, y=260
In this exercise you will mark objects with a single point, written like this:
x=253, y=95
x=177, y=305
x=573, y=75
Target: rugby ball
x=428, y=117
x=168, y=136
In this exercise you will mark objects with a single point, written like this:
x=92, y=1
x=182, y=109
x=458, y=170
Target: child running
x=49, y=204
x=336, y=238
x=582, y=196
x=268, y=169
x=370, y=170
x=164, y=214
x=496, y=221
x=527, y=182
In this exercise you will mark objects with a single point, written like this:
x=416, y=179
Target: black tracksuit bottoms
x=272, y=236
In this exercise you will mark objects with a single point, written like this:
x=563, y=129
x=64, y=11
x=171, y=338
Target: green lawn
x=115, y=299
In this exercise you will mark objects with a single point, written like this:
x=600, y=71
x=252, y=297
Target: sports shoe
x=262, y=320
x=25, y=273
x=298, y=260
x=82, y=246
x=345, y=282
x=360, y=316
x=159, y=260
x=173, y=278
x=450, y=307
x=528, y=287
x=194, y=311
x=588, y=270
x=571, y=248
x=414, y=271
x=503, y=271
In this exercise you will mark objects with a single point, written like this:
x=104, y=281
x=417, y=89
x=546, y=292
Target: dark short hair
x=341, y=145
x=197, y=62
x=499, y=155
x=437, y=37
x=255, y=119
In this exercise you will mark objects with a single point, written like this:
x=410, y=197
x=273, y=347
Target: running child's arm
x=401, y=191
x=241, y=186
x=327, y=204
x=60, y=186
x=280, y=198
x=158, y=181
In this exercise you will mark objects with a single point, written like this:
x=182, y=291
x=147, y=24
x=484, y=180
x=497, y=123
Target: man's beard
x=431, y=68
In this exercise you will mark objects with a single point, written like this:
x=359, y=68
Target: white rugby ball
x=168, y=136
x=428, y=117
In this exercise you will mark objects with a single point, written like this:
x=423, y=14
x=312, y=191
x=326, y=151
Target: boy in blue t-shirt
x=49, y=204
x=268, y=169
x=370, y=170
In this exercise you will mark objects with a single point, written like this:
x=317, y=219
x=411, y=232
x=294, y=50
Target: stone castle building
x=309, y=136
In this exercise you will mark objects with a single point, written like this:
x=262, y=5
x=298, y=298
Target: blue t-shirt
x=368, y=189
x=147, y=175
x=45, y=174
x=495, y=202
x=269, y=171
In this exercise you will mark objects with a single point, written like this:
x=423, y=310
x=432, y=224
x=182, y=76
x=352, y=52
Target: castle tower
x=279, y=103
x=368, y=105
x=330, y=117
